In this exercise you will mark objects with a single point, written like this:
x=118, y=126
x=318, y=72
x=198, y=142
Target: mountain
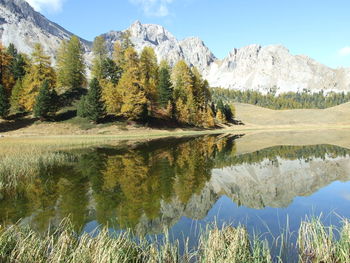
x=252, y=67
x=262, y=68
x=166, y=46
x=21, y=25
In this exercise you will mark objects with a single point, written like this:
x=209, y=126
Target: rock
x=166, y=46
x=21, y=25
x=262, y=68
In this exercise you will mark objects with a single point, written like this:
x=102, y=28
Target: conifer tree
x=71, y=67
x=4, y=103
x=111, y=71
x=134, y=101
x=165, y=92
x=6, y=77
x=39, y=70
x=120, y=47
x=220, y=117
x=91, y=105
x=149, y=74
x=43, y=101
x=99, y=50
x=209, y=118
x=182, y=80
x=17, y=63
x=16, y=96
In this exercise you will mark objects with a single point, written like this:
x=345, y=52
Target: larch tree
x=120, y=47
x=71, y=67
x=149, y=75
x=182, y=80
x=134, y=101
x=16, y=96
x=38, y=71
x=6, y=76
x=100, y=52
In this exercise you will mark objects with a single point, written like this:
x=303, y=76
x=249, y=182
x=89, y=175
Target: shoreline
x=43, y=130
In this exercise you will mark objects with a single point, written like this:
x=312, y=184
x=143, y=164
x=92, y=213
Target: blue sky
x=317, y=28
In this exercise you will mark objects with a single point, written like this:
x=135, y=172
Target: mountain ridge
x=252, y=67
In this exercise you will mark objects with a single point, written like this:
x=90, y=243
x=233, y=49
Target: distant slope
x=254, y=115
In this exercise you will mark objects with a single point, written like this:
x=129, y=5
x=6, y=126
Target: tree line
x=290, y=100
x=123, y=84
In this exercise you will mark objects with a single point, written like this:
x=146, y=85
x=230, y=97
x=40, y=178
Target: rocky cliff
x=21, y=25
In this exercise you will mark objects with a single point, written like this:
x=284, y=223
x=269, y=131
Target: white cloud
x=345, y=51
x=50, y=5
x=153, y=7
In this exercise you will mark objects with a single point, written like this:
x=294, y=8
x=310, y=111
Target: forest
x=125, y=85
x=290, y=100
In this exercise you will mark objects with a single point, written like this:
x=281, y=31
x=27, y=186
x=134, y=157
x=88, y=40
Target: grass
x=21, y=158
x=316, y=243
x=258, y=116
x=20, y=244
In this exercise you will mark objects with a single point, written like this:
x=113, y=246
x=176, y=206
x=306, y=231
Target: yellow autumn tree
x=6, y=77
x=149, y=75
x=39, y=70
x=221, y=117
x=134, y=101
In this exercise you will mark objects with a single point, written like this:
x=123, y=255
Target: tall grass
x=22, y=245
x=21, y=158
x=316, y=243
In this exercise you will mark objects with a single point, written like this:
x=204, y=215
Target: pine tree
x=165, y=91
x=71, y=68
x=99, y=50
x=18, y=67
x=95, y=108
x=91, y=105
x=82, y=109
x=111, y=71
x=43, y=101
x=4, y=103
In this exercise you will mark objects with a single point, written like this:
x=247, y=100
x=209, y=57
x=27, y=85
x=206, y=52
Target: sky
x=316, y=28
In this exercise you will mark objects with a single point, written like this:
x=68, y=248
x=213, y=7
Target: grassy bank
x=316, y=243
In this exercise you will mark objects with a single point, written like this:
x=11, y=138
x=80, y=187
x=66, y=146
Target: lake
x=184, y=185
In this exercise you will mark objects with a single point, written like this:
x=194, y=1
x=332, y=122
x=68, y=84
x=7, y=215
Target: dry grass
x=22, y=245
x=316, y=243
x=258, y=116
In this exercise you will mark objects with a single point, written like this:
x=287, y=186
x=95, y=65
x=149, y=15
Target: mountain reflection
x=151, y=185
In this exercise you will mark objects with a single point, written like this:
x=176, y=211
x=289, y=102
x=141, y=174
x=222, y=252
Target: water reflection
x=151, y=186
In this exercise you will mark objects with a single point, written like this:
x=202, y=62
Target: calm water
x=185, y=184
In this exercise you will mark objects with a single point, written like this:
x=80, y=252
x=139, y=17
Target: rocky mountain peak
x=253, y=67
x=155, y=34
